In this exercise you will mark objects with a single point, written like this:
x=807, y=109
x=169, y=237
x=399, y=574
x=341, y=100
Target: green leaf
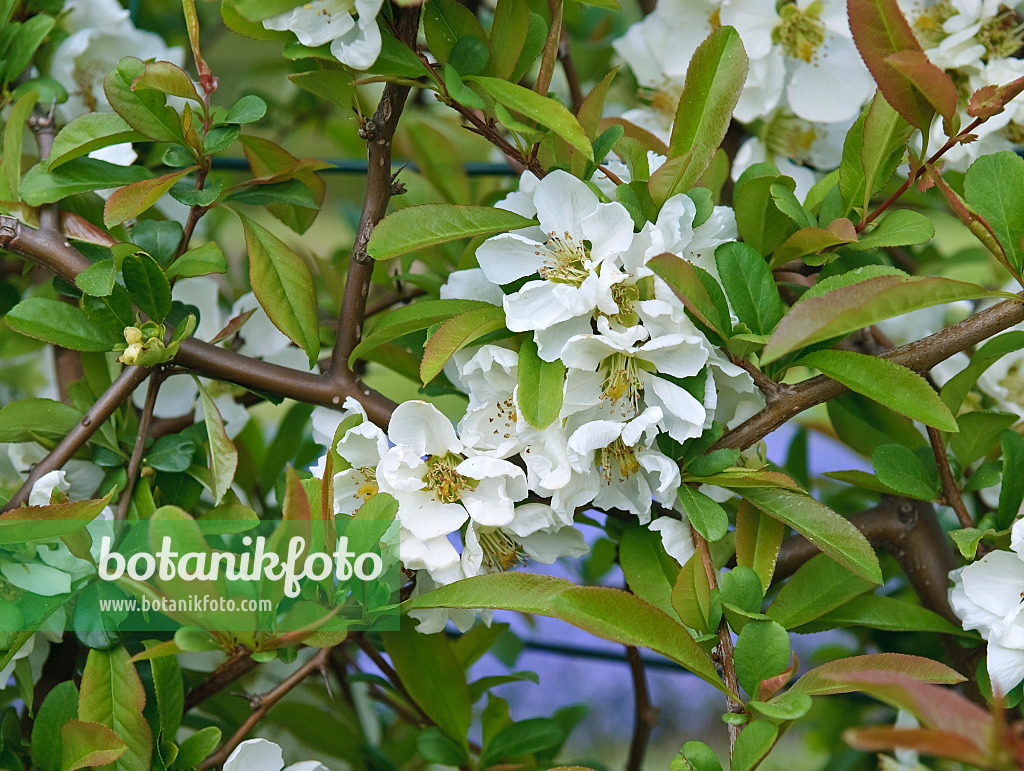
x=40, y=420
x=508, y=35
x=807, y=243
x=148, y=285
x=884, y=144
x=435, y=746
x=445, y=22
x=249, y=109
x=58, y=323
x=758, y=538
x=706, y=515
x=59, y=706
x=455, y=334
x=417, y=227
x=714, y=80
x=885, y=613
x=753, y=745
x=81, y=175
x=533, y=46
x=749, y=286
x=818, y=586
x=787, y=203
x=98, y=279
x=433, y=678
x=332, y=85
x=39, y=523
x=410, y=318
x=130, y=201
x=284, y=287
x=525, y=737
x=649, y=571
x=992, y=188
x=85, y=745
x=169, y=79
x=223, y=456
x=898, y=388
x=760, y=222
x=851, y=307
x=1011, y=493
x=696, y=289
x=979, y=432
x=540, y=386
x=522, y=592
x=470, y=56
x=901, y=470
x=547, y=112
x=13, y=133
x=695, y=756
x=170, y=694
x=198, y=747
x=26, y=41
x=92, y=131
x=218, y=139
x=146, y=110
x=112, y=695
x=863, y=424
x=830, y=532
x=762, y=651
x=790, y=705
x=200, y=261
x=901, y=227
x=820, y=681
x=692, y=599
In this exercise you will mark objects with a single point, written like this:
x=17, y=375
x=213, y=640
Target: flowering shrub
x=562, y=387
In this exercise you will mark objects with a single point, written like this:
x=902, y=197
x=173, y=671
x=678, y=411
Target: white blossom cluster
x=350, y=26
x=494, y=490
x=807, y=83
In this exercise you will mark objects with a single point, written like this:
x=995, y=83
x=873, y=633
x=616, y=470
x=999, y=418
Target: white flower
x=361, y=446
x=577, y=235
x=355, y=40
x=533, y=533
x=263, y=755
x=986, y=595
x=676, y=537
x=44, y=488
x=622, y=455
x=433, y=620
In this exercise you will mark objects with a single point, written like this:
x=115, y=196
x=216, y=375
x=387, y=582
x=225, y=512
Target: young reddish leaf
x=206, y=78
x=685, y=281
x=806, y=242
x=550, y=55
x=927, y=741
x=822, y=680
x=933, y=83
x=880, y=30
x=131, y=200
x=112, y=695
x=86, y=745
x=169, y=79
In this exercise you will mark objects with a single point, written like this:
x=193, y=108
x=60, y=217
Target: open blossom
x=350, y=26
x=986, y=595
x=263, y=755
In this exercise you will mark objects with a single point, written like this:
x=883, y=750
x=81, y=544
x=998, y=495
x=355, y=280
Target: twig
x=235, y=667
x=140, y=444
x=772, y=391
x=950, y=492
x=53, y=252
x=378, y=132
x=645, y=715
x=569, y=68
x=919, y=356
x=262, y=704
x=725, y=650
x=118, y=392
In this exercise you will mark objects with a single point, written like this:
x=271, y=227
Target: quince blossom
x=350, y=26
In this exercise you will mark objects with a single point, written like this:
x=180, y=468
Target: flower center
x=788, y=136
x=506, y=417
x=500, y=552
x=801, y=32
x=623, y=381
x=928, y=24
x=368, y=488
x=1014, y=385
x=444, y=480
x=618, y=459
x=1001, y=35
x=625, y=295
x=565, y=261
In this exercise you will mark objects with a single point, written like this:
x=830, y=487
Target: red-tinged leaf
x=773, y=685
x=879, y=30
x=933, y=83
x=684, y=280
x=991, y=100
x=936, y=707
x=223, y=456
x=296, y=502
x=168, y=79
x=924, y=740
x=38, y=523
x=854, y=306
x=843, y=228
x=206, y=78
x=78, y=228
x=112, y=695
x=131, y=200
x=87, y=745
x=821, y=681
x=550, y=55
x=232, y=327
x=455, y=334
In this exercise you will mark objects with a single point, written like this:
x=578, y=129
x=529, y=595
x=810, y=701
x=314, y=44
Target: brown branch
x=569, y=68
x=950, y=492
x=53, y=252
x=262, y=704
x=645, y=715
x=378, y=131
x=235, y=667
x=919, y=356
x=726, y=655
x=772, y=391
x=116, y=395
x=140, y=445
